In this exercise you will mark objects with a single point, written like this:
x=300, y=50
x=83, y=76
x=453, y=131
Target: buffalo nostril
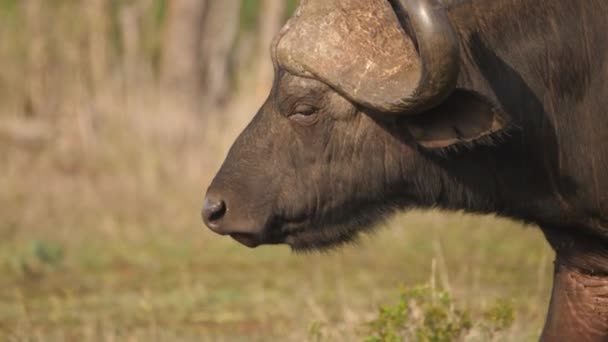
x=213, y=211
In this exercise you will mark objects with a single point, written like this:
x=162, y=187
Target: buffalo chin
x=318, y=240
x=320, y=237
x=247, y=240
x=337, y=229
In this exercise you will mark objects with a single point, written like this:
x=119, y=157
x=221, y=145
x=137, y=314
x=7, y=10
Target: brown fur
x=532, y=145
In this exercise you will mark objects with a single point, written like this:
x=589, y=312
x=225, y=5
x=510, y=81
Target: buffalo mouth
x=298, y=236
x=309, y=233
x=270, y=235
x=306, y=237
x=248, y=240
x=253, y=241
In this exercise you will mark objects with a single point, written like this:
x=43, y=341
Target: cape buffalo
x=486, y=106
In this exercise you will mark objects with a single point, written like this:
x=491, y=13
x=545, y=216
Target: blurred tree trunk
x=270, y=21
x=97, y=15
x=219, y=35
x=94, y=66
x=36, y=60
x=130, y=33
x=199, y=39
x=181, y=54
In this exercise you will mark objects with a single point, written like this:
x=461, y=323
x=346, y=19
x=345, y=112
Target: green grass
x=189, y=284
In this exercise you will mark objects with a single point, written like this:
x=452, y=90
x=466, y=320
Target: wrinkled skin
x=523, y=135
x=324, y=150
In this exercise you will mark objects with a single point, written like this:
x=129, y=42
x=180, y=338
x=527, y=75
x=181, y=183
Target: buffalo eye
x=304, y=114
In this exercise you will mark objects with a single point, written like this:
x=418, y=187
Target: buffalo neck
x=524, y=67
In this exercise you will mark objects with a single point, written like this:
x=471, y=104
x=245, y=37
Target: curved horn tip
x=439, y=50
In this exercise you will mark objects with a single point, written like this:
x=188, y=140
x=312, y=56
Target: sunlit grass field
x=191, y=285
x=144, y=283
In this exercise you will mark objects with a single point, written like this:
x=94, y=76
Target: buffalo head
x=362, y=89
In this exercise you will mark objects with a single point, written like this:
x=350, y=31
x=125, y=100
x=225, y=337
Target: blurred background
x=114, y=116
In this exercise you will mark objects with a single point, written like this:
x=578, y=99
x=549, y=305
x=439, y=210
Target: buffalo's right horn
x=438, y=47
x=361, y=49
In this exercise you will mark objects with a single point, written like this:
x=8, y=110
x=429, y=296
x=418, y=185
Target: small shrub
x=498, y=318
x=426, y=315
x=41, y=256
x=315, y=332
x=47, y=252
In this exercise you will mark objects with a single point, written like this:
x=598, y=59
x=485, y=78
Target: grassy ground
x=185, y=285
x=101, y=240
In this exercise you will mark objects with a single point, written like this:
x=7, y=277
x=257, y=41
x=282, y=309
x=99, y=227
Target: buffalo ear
x=464, y=118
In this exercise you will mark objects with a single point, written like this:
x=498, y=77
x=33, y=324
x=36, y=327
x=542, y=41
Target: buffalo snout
x=214, y=210
x=216, y=215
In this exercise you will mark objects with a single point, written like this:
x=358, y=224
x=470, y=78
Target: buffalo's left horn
x=361, y=49
x=438, y=47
